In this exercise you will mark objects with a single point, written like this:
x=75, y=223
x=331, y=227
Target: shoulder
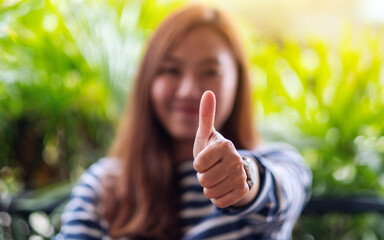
x=81, y=216
x=90, y=182
x=87, y=191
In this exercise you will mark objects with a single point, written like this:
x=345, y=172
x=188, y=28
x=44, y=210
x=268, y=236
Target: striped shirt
x=284, y=190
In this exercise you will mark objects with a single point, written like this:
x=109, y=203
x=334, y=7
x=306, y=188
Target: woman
x=170, y=174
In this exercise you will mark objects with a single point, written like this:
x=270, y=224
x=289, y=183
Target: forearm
x=284, y=181
x=291, y=177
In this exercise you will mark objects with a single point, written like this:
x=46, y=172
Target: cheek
x=226, y=100
x=158, y=97
x=228, y=96
x=230, y=82
x=161, y=90
x=156, y=89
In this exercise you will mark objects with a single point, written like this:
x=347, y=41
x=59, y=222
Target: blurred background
x=66, y=69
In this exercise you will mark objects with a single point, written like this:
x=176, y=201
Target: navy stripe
x=87, y=223
x=92, y=173
x=79, y=209
x=87, y=186
x=251, y=237
x=190, y=172
x=195, y=204
x=190, y=221
x=81, y=236
x=193, y=188
x=84, y=198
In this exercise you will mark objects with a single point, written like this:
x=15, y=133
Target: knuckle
x=208, y=193
x=243, y=175
x=202, y=180
x=222, y=203
x=239, y=160
x=197, y=165
x=240, y=181
x=244, y=192
x=227, y=145
x=241, y=191
x=237, y=166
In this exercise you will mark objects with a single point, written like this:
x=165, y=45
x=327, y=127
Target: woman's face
x=200, y=61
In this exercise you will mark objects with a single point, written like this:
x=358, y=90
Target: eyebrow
x=208, y=60
x=172, y=59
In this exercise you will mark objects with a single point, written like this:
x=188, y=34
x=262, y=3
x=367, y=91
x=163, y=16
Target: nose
x=188, y=87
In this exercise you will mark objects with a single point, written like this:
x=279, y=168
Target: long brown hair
x=141, y=202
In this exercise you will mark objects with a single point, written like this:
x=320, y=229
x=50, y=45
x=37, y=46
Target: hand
x=219, y=166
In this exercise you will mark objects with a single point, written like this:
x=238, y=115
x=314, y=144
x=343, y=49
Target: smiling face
x=200, y=61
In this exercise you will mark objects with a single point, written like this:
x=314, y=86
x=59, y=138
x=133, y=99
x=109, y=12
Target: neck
x=183, y=150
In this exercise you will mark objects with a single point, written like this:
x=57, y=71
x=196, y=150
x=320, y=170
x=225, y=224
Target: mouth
x=187, y=110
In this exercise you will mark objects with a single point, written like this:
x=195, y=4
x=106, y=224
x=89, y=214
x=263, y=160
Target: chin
x=186, y=135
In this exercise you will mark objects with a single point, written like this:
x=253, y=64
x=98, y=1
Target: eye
x=211, y=73
x=170, y=71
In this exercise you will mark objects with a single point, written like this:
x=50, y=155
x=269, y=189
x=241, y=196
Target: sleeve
x=80, y=218
x=285, y=184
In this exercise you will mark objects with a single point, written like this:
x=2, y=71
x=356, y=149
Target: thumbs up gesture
x=218, y=164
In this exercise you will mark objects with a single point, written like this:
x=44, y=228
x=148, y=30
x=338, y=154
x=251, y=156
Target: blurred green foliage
x=327, y=99
x=66, y=67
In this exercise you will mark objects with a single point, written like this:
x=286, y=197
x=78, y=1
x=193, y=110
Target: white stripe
x=193, y=196
x=187, y=228
x=106, y=166
x=197, y=212
x=83, y=191
x=255, y=217
x=190, y=181
x=79, y=229
x=92, y=181
x=210, y=223
x=233, y=234
x=185, y=166
x=80, y=215
x=99, y=168
x=78, y=202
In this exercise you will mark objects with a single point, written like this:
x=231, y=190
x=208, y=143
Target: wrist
x=250, y=170
x=253, y=181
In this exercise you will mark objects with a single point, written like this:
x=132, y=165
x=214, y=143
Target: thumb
x=206, y=121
